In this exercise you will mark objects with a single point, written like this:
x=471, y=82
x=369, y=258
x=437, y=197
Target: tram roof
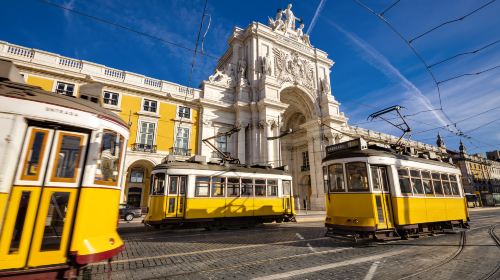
x=36, y=94
x=382, y=153
x=218, y=167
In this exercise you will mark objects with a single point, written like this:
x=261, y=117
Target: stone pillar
x=241, y=144
x=255, y=140
x=316, y=173
x=269, y=143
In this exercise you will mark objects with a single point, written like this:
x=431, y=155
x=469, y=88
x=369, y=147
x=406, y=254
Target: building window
x=222, y=143
x=305, y=161
x=184, y=112
x=147, y=133
x=137, y=176
x=149, y=105
x=111, y=98
x=65, y=88
x=182, y=138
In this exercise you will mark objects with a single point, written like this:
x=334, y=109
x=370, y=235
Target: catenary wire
x=389, y=7
x=469, y=74
x=465, y=53
x=452, y=21
x=417, y=54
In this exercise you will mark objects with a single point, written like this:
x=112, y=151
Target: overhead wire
x=469, y=74
x=451, y=21
x=390, y=7
x=427, y=67
x=465, y=53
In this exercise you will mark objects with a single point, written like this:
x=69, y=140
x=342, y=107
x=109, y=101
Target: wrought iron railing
x=180, y=151
x=139, y=147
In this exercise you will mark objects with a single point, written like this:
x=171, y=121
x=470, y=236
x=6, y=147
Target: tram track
x=491, y=232
x=461, y=246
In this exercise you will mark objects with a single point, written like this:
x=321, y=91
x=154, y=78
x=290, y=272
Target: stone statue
x=218, y=75
x=290, y=17
x=302, y=36
x=242, y=67
x=278, y=23
x=266, y=65
x=325, y=87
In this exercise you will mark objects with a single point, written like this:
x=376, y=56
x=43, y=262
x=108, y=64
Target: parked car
x=129, y=212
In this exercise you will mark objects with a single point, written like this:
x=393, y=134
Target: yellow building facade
x=163, y=116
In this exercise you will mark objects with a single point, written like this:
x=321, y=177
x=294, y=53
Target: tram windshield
x=357, y=177
x=336, y=178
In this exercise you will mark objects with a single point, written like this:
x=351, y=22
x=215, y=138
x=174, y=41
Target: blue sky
x=373, y=68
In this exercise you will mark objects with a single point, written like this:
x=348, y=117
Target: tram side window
x=108, y=163
x=218, y=185
x=404, y=181
x=446, y=184
x=416, y=182
x=233, y=187
x=202, y=186
x=246, y=187
x=158, y=184
x=336, y=177
x=272, y=187
x=454, y=185
x=357, y=177
x=260, y=187
x=426, y=180
x=436, y=181
x=34, y=155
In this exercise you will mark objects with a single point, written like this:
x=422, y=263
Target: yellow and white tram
x=374, y=190
x=216, y=195
x=60, y=169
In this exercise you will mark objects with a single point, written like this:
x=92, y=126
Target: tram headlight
x=112, y=241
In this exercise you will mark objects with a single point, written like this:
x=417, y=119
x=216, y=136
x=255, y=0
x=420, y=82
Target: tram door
x=287, y=197
x=41, y=204
x=176, y=198
x=382, y=199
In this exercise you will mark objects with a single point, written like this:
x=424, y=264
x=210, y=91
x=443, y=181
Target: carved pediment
x=290, y=67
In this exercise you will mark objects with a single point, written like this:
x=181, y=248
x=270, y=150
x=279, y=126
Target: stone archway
x=297, y=148
x=137, y=183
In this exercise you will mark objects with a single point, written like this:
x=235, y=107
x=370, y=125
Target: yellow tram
x=212, y=195
x=374, y=190
x=61, y=166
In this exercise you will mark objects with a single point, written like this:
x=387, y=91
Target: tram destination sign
x=356, y=144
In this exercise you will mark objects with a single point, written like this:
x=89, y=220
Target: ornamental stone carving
x=290, y=67
x=221, y=78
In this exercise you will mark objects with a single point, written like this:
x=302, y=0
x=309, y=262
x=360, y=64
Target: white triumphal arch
x=275, y=86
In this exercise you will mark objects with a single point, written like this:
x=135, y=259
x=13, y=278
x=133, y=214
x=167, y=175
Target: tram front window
x=357, y=177
x=336, y=177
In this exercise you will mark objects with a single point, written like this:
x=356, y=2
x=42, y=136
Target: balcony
x=139, y=147
x=180, y=151
x=305, y=168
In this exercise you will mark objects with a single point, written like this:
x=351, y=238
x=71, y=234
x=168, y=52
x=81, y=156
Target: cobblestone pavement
x=300, y=251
